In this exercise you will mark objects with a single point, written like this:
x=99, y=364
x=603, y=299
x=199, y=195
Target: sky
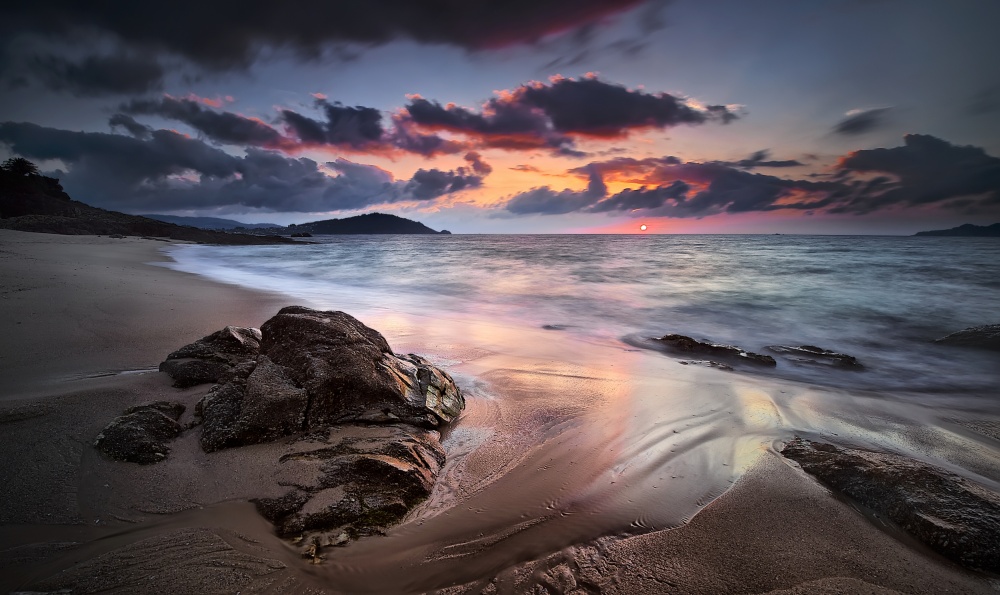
x=517, y=116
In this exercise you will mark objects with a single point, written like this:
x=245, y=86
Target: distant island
x=968, y=230
x=371, y=223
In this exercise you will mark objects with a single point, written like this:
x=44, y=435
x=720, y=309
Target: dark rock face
x=353, y=480
x=317, y=369
x=955, y=517
x=210, y=358
x=981, y=337
x=810, y=354
x=141, y=433
x=684, y=344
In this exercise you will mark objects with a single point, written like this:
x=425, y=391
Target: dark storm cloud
x=130, y=125
x=356, y=126
x=760, y=159
x=116, y=74
x=219, y=126
x=429, y=184
x=225, y=35
x=862, y=121
x=925, y=170
x=539, y=115
x=165, y=170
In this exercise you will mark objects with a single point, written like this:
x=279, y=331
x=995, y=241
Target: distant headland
x=968, y=230
x=371, y=223
x=30, y=201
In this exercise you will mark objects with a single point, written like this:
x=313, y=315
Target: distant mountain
x=38, y=203
x=208, y=222
x=367, y=224
x=967, y=230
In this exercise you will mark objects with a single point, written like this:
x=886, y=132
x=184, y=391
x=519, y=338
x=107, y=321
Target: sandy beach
x=550, y=461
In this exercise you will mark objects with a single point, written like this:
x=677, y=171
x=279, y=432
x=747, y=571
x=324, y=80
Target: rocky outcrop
x=210, y=358
x=317, y=369
x=954, y=516
x=141, y=433
x=360, y=421
x=353, y=480
x=684, y=344
x=810, y=354
x=980, y=337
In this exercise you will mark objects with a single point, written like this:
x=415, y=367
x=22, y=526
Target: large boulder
x=210, y=358
x=141, y=433
x=685, y=344
x=316, y=369
x=954, y=516
x=980, y=337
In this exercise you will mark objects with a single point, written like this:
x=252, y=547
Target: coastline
x=92, y=306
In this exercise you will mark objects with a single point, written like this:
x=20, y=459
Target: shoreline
x=97, y=304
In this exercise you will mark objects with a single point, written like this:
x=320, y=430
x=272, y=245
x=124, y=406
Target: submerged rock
x=981, y=337
x=141, y=433
x=684, y=344
x=210, y=358
x=810, y=354
x=954, y=516
x=707, y=363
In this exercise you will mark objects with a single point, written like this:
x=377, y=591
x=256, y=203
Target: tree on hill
x=19, y=166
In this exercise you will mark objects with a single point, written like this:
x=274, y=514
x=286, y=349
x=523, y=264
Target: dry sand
x=78, y=308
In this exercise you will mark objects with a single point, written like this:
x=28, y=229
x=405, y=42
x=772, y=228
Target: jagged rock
x=141, y=433
x=258, y=403
x=982, y=337
x=355, y=480
x=810, y=354
x=954, y=516
x=684, y=344
x=210, y=358
x=322, y=368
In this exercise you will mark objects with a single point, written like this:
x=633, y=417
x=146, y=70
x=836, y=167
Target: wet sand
x=587, y=468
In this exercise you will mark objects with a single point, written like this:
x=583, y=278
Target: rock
x=210, y=358
x=707, y=363
x=302, y=234
x=322, y=368
x=810, y=354
x=981, y=337
x=141, y=433
x=954, y=516
x=351, y=374
x=684, y=344
x=353, y=480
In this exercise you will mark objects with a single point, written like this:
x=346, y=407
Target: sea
x=579, y=427
x=881, y=299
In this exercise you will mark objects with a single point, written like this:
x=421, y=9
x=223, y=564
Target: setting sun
x=642, y=227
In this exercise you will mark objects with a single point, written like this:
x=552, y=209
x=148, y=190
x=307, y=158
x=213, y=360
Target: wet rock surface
x=684, y=344
x=954, y=516
x=317, y=369
x=353, y=480
x=210, y=358
x=141, y=433
x=980, y=337
x=810, y=354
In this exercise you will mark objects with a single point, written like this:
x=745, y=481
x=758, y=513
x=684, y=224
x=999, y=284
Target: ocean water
x=882, y=300
x=577, y=428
